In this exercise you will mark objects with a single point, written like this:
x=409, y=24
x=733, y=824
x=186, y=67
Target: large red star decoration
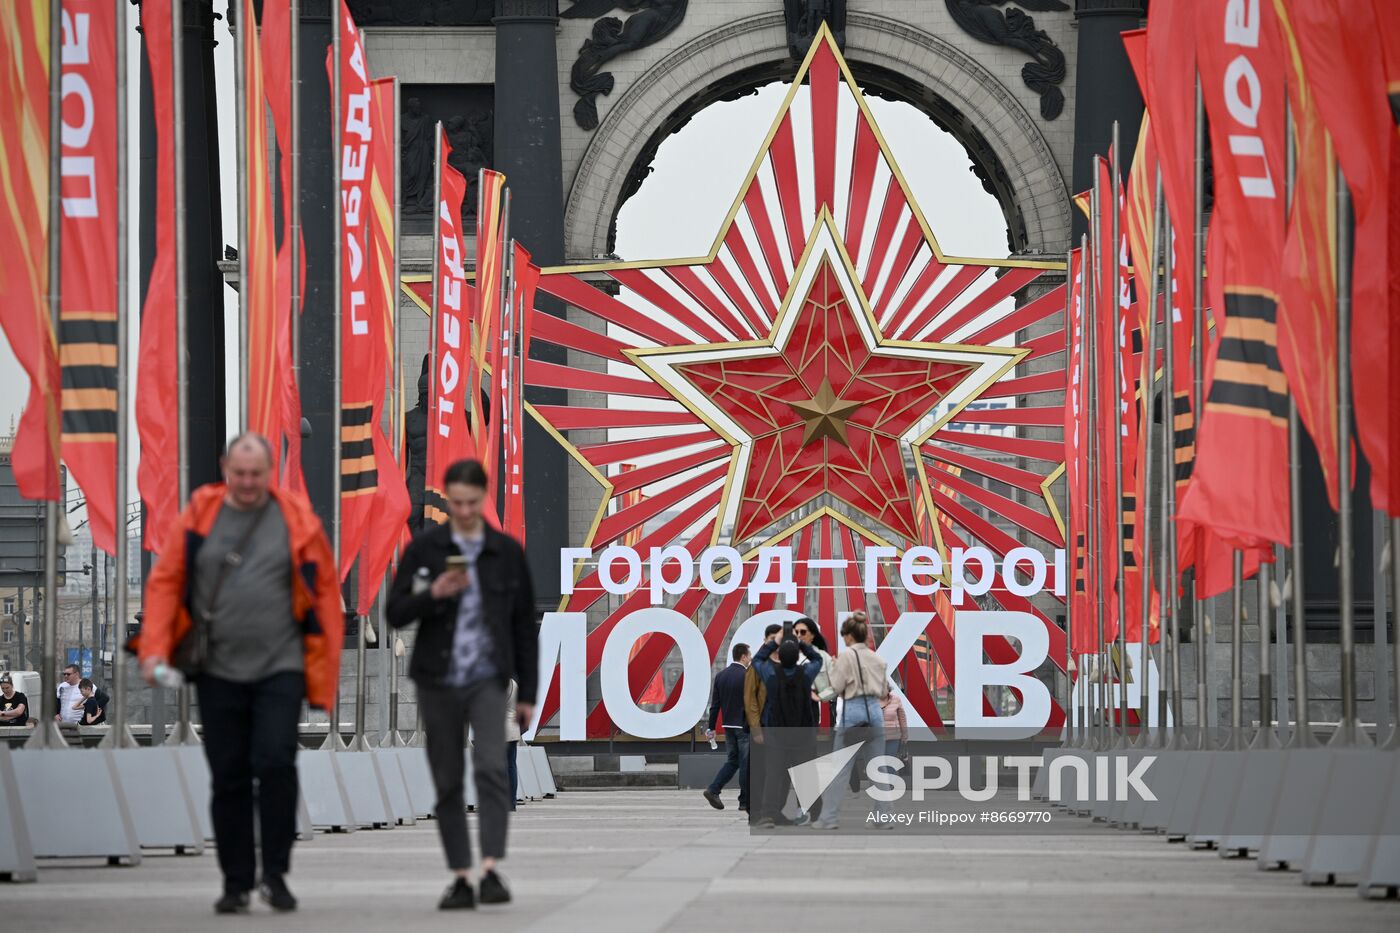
x=825, y=406
x=825, y=378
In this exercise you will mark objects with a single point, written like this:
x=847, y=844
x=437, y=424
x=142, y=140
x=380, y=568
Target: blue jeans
x=736, y=745
x=862, y=720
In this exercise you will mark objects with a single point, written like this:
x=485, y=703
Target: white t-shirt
x=68, y=694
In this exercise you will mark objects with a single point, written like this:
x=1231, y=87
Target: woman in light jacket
x=896, y=725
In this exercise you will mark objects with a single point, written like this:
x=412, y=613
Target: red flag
x=258, y=295
x=357, y=343
x=87, y=336
x=1169, y=92
x=1077, y=461
x=389, y=511
x=1364, y=321
x=277, y=70
x=523, y=282
x=490, y=256
x=453, y=378
x=1116, y=403
x=24, y=280
x=1239, y=487
x=1307, y=319
x=157, y=390
x=1340, y=64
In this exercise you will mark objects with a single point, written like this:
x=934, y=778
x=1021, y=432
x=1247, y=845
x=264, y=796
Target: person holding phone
x=468, y=588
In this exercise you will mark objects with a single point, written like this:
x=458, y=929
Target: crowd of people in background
x=80, y=701
x=771, y=702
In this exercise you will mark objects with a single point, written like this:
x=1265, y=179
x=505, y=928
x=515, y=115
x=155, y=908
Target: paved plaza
x=633, y=861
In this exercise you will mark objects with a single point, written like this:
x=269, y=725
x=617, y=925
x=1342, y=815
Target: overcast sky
x=677, y=212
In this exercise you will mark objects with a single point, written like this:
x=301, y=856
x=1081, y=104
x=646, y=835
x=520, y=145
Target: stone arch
x=1016, y=162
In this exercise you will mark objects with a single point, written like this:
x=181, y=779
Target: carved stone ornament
x=651, y=20
x=982, y=20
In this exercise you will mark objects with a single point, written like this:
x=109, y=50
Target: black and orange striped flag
x=87, y=334
x=1239, y=485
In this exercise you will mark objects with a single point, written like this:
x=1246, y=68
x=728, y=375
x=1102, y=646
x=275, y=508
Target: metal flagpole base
x=1350, y=735
x=1265, y=739
x=119, y=738
x=184, y=734
x=46, y=735
x=334, y=742
x=359, y=744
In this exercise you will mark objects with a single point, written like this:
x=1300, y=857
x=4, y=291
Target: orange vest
x=316, y=600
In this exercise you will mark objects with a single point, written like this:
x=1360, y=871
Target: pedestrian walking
x=70, y=707
x=790, y=736
x=245, y=601
x=859, y=678
x=727, y=702
x=468, y=587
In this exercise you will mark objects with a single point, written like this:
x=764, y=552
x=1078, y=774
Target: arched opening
x=685, y=177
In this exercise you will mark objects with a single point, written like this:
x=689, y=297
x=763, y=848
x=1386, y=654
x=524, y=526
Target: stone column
x=1105, y=89
x=318, y=395
x=204, y=230
x=527, y=150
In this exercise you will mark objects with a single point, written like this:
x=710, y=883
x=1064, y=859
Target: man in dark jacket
x=728, y=700
x=468, y=587
x=789, y=726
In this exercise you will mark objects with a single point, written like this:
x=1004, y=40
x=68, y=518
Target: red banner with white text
x=87, y=335
x=389, y=511
x=1239, y=486
x=157, y=388
x=453, y=378
x=358, y=479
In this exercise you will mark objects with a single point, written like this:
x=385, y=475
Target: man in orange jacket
x=252, y=567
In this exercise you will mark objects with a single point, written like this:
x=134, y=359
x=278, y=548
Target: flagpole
x=184, y=731
x=120, y=736
x=1234, y=742
x=293, y=197
x=1148, y=393
x=240, y=105
x=1393, y=742
x=47, y=735
x=393, y=739
x=1170, y=583
x=1349, y=731
x=499, y=412
x=333, y=740
x=1198, y=404
x=508, y=411
x=1092, y=292
x=1302, y=729
x=1120, y=335
x=1085, y=732
x=1070, y=540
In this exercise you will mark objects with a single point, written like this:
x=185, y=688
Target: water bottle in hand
x=167, y=676
x=713, y=744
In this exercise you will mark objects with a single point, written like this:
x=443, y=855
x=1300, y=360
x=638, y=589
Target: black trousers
x=447, y=712
x=250, y=736
x=783, y=749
